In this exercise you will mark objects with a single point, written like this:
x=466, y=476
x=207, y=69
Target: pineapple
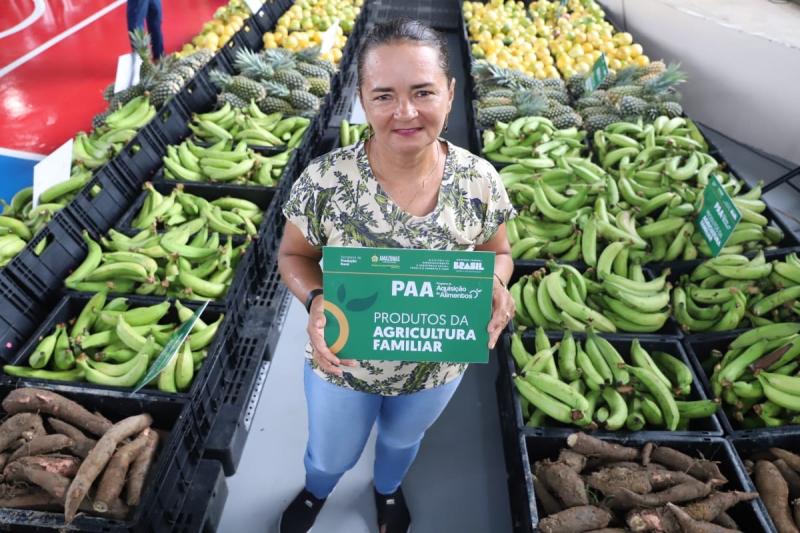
x=108, y=92
x=494, y=101
x=589, y=101
x=288, y=76
x=230, y=98
x=140, y=40
x=616, y=93
x=163, y=91
x=575, y=85
x=245, y=88
x=597, y=110
x=554, y=83
x=600, y=122
x=558, y=96
x=671, y=109
x=319, y=86
x=311, y=56
x=271, y=104
x=500, y=93
x=126, y=95
x=299, y=99
x=489, y=116
x=311, y=71
x=530, y=103
x=252, y=65
x=100, y=118
x=567, y=120
x=632, y=106
x=487, y=89
x=303, y=100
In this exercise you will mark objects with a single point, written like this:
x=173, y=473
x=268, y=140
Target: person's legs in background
x=136, y=11
x=154, y=17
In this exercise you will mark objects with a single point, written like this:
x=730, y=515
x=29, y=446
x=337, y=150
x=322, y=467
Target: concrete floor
x=458, y=482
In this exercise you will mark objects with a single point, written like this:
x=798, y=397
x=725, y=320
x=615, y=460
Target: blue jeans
x=340, y=421
x=138, y=11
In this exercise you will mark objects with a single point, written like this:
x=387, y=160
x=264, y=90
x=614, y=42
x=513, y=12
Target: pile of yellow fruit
x=305, y=23
x=548, y=40
x=505, y=36
x=579, y=34
x=218, y=31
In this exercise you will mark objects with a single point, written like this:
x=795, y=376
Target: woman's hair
x=399, y=30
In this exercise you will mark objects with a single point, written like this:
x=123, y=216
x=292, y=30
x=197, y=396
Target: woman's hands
x=503, y=309
x=324, y=357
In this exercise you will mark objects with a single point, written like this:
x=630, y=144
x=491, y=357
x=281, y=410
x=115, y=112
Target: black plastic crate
x=747, y=445
x=70, y=307
x=342, y=102
x=140, y=157
x=526, y=517
x=698, y=347
x=261, y=196
x=205, y=502
x=264, y=18
x=224, y=410
x=510, y=397
x=199, y=94
x=167, y=483
x=19, y=315
x=100, y=209
x=42, y=275
x=249, y=36
x=670, y=328
x=171, y=124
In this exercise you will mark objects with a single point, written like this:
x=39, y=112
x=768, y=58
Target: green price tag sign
x=598, y=74
x=171, y=349
x=718, y=216
x=394, y=304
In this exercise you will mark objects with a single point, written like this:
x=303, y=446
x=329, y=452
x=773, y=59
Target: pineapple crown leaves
x=219, y=78
x=530, y=103
x=252, y=65
x=276, y=89
x=308, y=54
x=627, y=75
x=140, y=40
x=671, y=77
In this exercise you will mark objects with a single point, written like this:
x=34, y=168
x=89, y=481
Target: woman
x=403, y=188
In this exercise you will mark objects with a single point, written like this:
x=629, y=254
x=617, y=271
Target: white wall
x=740, y=84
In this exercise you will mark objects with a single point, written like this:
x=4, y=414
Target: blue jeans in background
x=340, y=421
x=150, y=10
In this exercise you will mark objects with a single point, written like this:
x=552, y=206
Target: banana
x=661, y=394
x=44, y=350
x=126, y=271
x=650, y=303
x=184, y=368
x=576, y=309
x=547, y=209
x=660, y=227
x=90, y=264
x=129, y=379
x=607, y=257
x=150, y=265
x=129, y=336
x=201, y=287
x=88, y=314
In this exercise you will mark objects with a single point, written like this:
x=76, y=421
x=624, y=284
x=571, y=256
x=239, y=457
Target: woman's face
x=406, y=95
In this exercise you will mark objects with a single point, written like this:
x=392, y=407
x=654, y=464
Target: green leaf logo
x=341, y=293
x=362, y=304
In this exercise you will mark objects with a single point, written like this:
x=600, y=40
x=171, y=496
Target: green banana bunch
x=230, y=159
x=227, y=215
x=590, y=384
x=188, y=261
x=732, y=291
x=111, y=343
x=20, y=221
x=532, y=142
x=352, y=133
x=95, y=149
x=612, y=297
x=757, y=377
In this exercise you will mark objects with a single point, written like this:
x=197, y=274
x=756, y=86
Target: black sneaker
x=299, y=517
x=393, y=515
